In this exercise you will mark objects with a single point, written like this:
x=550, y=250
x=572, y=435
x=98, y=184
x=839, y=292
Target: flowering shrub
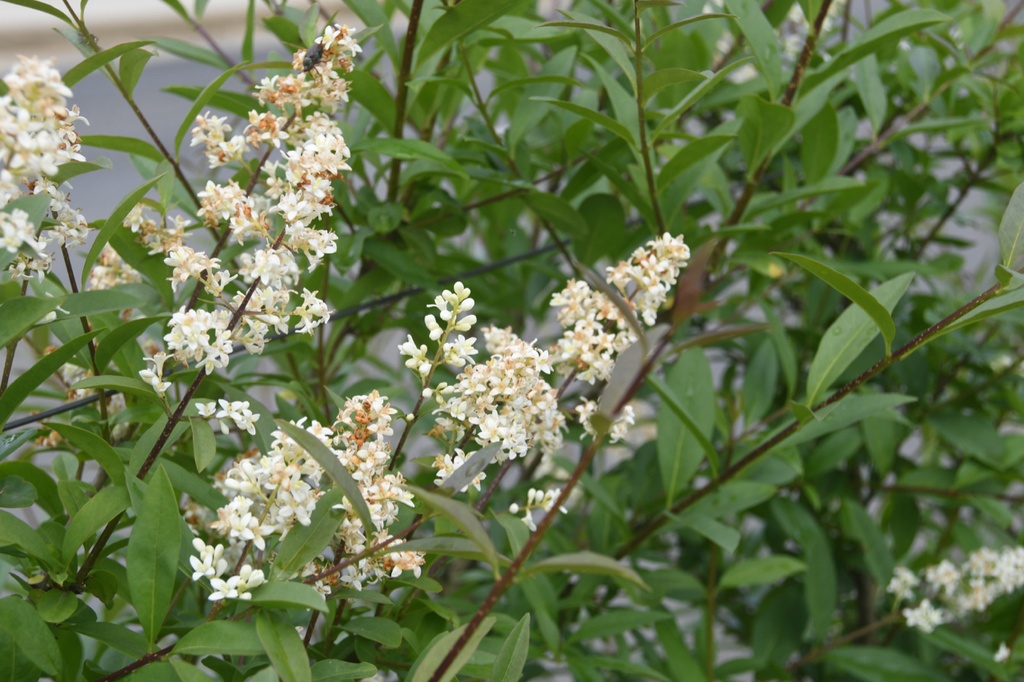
x=790, y=453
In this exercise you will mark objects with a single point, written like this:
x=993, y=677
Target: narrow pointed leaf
x=586, y=562
x=511, y=659
x=284, y=647
x=431, y=660
x=1011, y=230
x=153, y=549
x=334, y=468
x=99, y=59
x=464, y=517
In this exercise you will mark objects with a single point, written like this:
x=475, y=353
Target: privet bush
x=633, y=342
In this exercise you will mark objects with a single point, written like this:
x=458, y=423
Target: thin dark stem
x=244, y=75
x=817, y=653
x=115, y=79
x=92, y=343
x=402, y=91
x=641, y=534
x=641, y=118
x=787, y=99
x=507, y=578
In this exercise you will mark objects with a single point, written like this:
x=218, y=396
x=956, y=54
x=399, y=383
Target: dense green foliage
x=832, y=390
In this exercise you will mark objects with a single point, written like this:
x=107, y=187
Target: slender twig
x=402, y=91
x=642, y=533
x=754, y=181
x=641, y=118
x=817, y=653
x=507, y=578
x=116, y=80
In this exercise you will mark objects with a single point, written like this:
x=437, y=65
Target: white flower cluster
x=298, y=190
x=271, y=493
x=453, y=308
x=537, y=499
x=237, y=411
x=504, y=400
x=595, y=331
x=952, y=592
x=37, y=136
x=620, y=427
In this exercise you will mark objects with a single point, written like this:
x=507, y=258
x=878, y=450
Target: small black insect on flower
x=313, y=56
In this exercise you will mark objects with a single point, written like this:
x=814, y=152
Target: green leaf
x=851, y=290
x=968, y=648
x=384, y=631
x=204, y=444
x=117, y=299
x=115, y=222
x=14, y=531
x=431, y=659
x=671, y=27
x=764, y=43
x=153, y=549
x=590, y=26
x=334, y=468
x=765, y=125
x=73, y=169
x=820, y=591
x=96, y=513
x=130, y=67
x=128, y=145
x=221, y=638
x=868, y=535
x=42, y=370
x=117, y=637
x=511, y=659
x=447, y=545
x=93, y=447
x=465, y=519
x=130, y=385
x=285, y=595
x=459, y=21
x=597, y=117
x=883, y=34
x=615, y=622
x=693, y=153
x=586, y=562
x=237, y=638
x=871, y=91
x=408, y=150
x=1011, y=230
x=726, y=537
x=303, y=543
x=21, y=314
x=820, y=144
x=191, y=52
x=882, y=664
x=16, y=492
x=30, y=633
x=847, y=337
x=117, y=337
x=333, y=670
x=475, y=463
x=56, y=606
x=761, y=571
x=559, y=213
x=96, y=61
x=686, y=419
x=850, y=410
x=284, y=647
x=369, y=93
x=43, y=7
